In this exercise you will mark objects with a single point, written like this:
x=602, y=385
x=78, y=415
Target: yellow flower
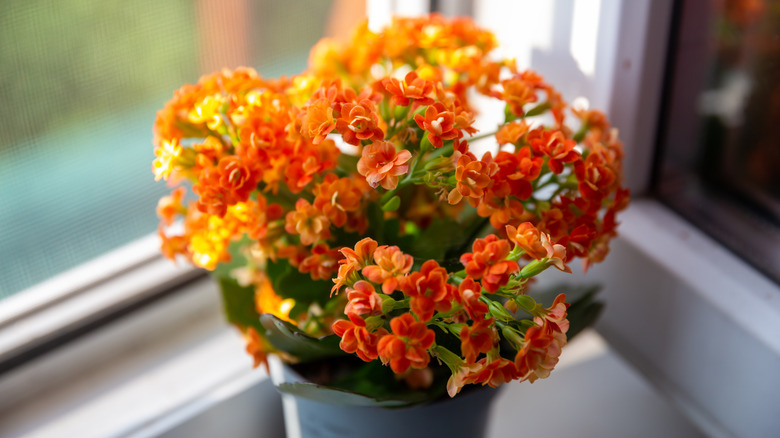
x=208, y=111
x=167, y=153
x=267, y=301
x=303, y=87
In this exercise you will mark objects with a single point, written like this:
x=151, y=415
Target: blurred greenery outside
x=80, y=83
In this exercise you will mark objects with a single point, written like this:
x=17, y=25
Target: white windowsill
x=208, y=387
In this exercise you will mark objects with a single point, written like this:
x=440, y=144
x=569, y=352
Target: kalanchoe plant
x=353, y=227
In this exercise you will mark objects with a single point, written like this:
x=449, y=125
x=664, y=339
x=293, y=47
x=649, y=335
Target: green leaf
x=584, y=312
x=441, y=235
x=237, y=258
x=326, y=394
x=363, y=384
x=288, y=282
x=537, y=110
x=347, y=164
x=239, y=304
x=392, y=204
x=290, y=339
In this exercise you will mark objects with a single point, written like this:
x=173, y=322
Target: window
x=721, y=143
x=81, y=81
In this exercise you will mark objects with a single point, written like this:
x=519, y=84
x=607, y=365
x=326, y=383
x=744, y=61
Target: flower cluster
x=288, y=177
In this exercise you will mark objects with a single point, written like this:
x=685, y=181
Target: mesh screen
x=80, y=82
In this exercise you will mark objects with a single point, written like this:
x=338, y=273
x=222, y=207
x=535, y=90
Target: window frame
x=50, y=314
x=677, y=298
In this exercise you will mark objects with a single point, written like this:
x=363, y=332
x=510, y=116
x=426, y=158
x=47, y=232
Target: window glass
x=80, y=83
x=721, y=129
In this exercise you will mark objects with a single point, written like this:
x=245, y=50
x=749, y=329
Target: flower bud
x=534, y=268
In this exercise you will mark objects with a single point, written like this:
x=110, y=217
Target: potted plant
x=358, y=235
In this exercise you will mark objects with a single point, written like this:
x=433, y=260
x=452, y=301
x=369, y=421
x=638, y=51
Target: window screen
x=80, y=83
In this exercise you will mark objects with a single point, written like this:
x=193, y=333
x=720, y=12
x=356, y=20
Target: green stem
x=452, y=360
x=481, y=136
x=581, y=133
x=396, y=128
x=444, y=315
x=458, y=277
x=440, y=151
x=403, y=304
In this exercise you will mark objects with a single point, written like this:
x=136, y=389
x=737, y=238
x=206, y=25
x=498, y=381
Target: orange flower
x=556, y=146
x=555, y=223
x=261, y=214
x=511, y=132
x=318, y=121
x=500, y=210
x=540, y=352
x=294, y=254
x=429, y=290
x=220, y=187
x=336, y=94
x=473, y=178
x=481, y=337
x=412, y=88
x=382, y=164
x=255, y=346
x=308, y=222
x=210, y=150
x=363, y=300
x=307, y=161
x=170, y=206
x=538, y=245
x=355, y=337
x=359, y=122
x=528, y=237
x=237, y=179
x=337, y=197
x=211, y=199
x=464, y=120
x=322, y=263
x=595, y=120
x=555, y=314
x=407, y=346
x=171, y=246
x=391, y=265
x=462, y=377
x=581, y=238
x=528, y=168
x=596, y=179
x=418, y=379
x=439, y=123
x=488, y=262
x=516, y=93
x=353, y=262
x=493, y=372
x=469, y=292
x=362, y=254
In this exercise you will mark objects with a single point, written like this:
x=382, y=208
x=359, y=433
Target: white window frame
x=699, y=322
